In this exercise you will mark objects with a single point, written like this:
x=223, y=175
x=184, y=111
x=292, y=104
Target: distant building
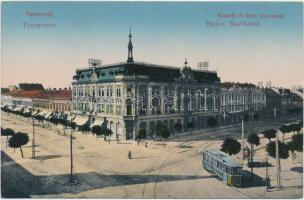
x=54, y=100
x=279, y=100
x=30, y=86
x=19, y=98
x=49, y=100
x=4, y=90
x=239, y=98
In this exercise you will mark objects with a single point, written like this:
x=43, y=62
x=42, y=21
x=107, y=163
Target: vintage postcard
x=152, y=100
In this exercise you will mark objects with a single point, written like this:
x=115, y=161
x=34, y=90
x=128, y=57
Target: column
x=214, y=107
x=182, y=101
x=114, y=98
x=162, y=99
x=205, y=100
x=133, y=98
x=147, y=128
x=175, y=98
x=149, y=106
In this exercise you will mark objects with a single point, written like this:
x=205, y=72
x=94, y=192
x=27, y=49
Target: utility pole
x=71, y=151
x=278, y=162
x=267, y=178
x=33, y=140
x=242, y=144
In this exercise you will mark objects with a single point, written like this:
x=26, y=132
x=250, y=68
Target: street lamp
x=33, y=140
x=72, y=181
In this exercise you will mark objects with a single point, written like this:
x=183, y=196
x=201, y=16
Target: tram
x=224, y=167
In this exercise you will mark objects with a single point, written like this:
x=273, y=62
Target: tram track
x=196, y=152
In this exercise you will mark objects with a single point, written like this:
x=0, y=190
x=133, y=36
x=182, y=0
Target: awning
x=35, y=113
x=16, y=109
x=43, y=112
x=70, y=117
x=97, y=122
x=80, y=121
x=26, y=110
x=47, y=115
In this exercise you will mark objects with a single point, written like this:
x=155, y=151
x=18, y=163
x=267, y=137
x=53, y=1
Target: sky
x=163, y=33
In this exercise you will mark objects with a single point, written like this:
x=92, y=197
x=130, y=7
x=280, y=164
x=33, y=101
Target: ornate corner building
x=131, y=96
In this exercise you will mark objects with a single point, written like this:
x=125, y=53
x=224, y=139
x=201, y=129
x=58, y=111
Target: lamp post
x=267, y=176
x=71, y=152
x=33, y=140
x=278, y=162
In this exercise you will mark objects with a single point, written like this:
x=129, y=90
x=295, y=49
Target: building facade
x=239, y=98
x=59, y=101
x=131, y=96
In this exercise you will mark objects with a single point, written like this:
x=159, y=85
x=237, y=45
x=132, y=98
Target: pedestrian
x=146, y=145
x=138, y=141
x=129, y=155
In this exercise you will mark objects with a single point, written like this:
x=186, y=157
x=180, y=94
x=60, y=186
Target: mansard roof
x=31, y=86
x=107, y=73
x=228, y=85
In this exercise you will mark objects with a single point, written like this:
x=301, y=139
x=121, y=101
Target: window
x=118, y=109
x=118, y=94
x=129, y=109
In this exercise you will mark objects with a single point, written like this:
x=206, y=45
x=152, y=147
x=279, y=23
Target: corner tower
x=130, y=49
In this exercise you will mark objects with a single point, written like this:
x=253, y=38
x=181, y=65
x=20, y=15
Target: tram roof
x=223, y=157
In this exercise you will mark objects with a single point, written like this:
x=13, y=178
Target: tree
x=269, y=133
x=178, y=127
x=7, y=132
x=253, y=139
x=107, y=133
x=27, y=115
x=246, y=117
x=284, y=129
x=159, y=126
x=256, y=116
x=296, y=127
x=164, y=133
x=292, y=148
x=64, y=124
x=85, y=128
x=72, y=125
x=191, y=125
x=142, y=133
x=18, y=140
x=212, y=122
x=54, y=121
x=40, y=118
x=297, y=141
x=283, y=149
x=97, y=130
x=231, y=146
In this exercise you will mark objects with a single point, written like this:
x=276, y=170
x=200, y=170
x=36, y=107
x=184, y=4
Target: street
x=172, y=170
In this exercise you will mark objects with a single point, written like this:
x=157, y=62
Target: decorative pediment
x=186, y=74
x=94, y=76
